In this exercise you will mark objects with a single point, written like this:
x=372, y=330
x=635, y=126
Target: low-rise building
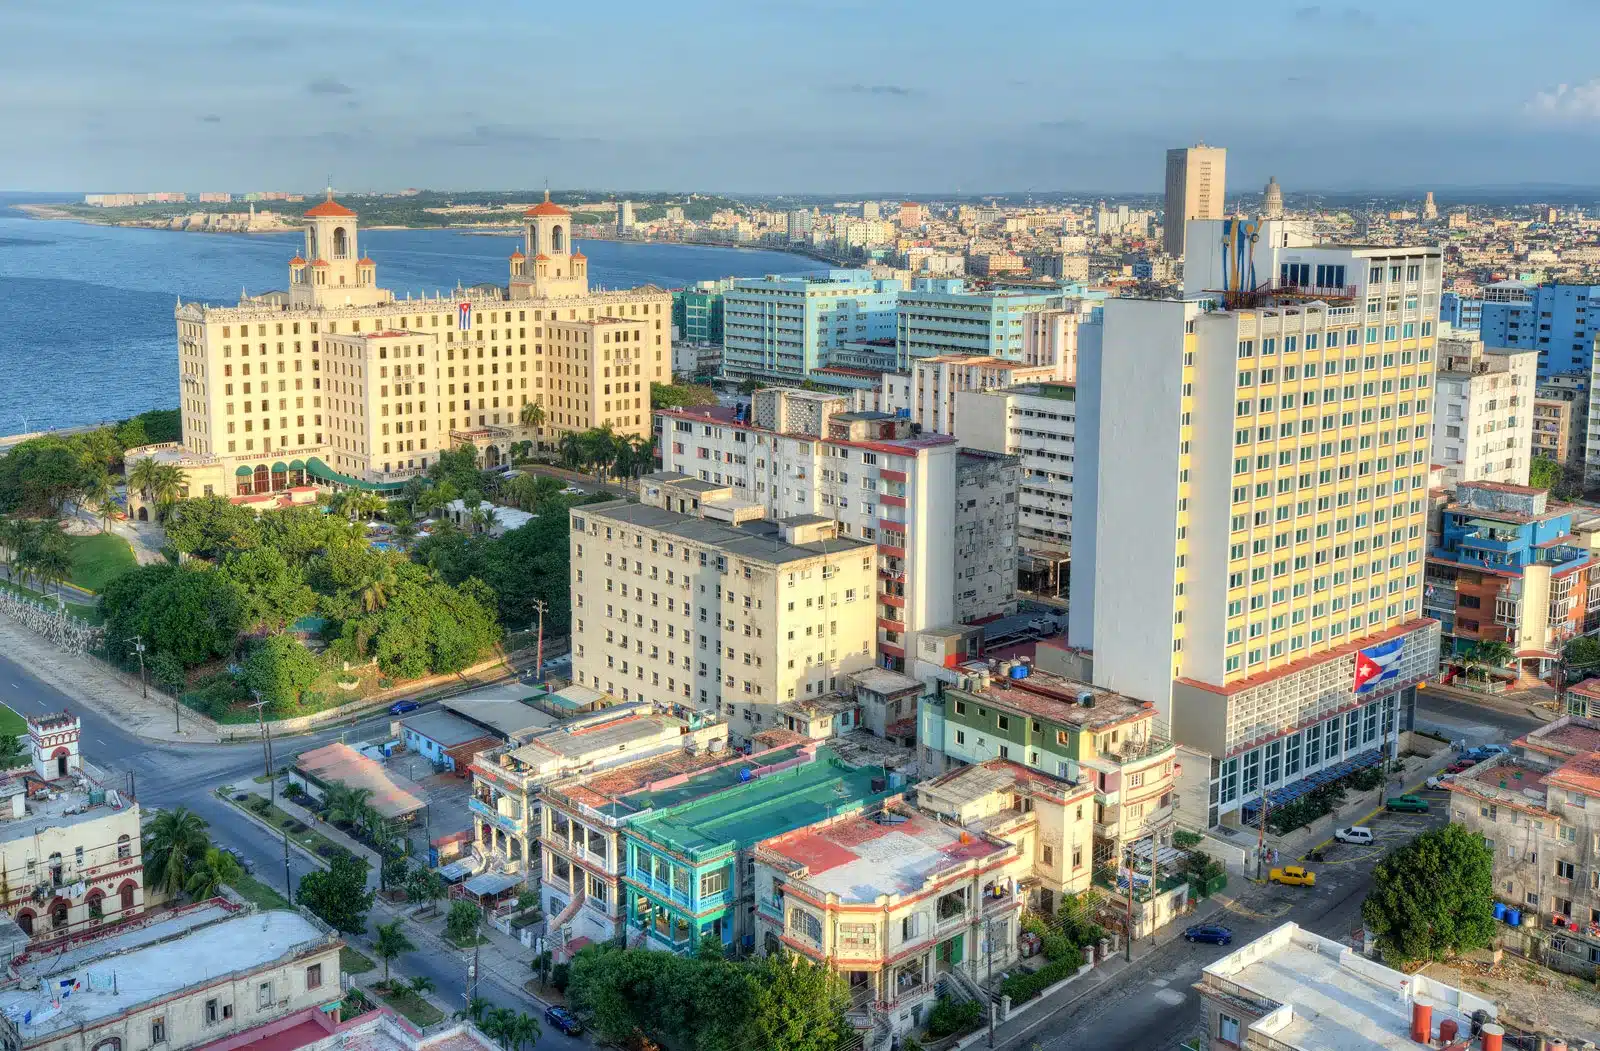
x=1572, y=389
x=444, y=739
x=893, y=899
x=1065, y=729
x=1552, y=429
x=928, y=392
x=1508, y=568
x=1533, y=807
x=70, y=854
x=1292, y=990
x=205, y=973
x=392, y=795
x=493, y=519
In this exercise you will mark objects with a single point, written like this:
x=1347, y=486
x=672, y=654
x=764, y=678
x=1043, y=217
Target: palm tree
x=175, y=839
x=421, y=985
x=483, y=518
x=217, y=867
x=532, y=414
x=477, y=1009
x=1487, y=656
x=573, y=450
x=52, y=565
x=443, y=493
x=525, y=1031
x=13, y=534
x=142, y=476
x=500, y=1025
x=100, y=492
x=348, y=806
x=390, y=943
x=378, y=586
x=166, y=486
x=405, y=532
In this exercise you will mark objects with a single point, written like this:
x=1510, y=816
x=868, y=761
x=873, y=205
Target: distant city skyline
x=1328, y=97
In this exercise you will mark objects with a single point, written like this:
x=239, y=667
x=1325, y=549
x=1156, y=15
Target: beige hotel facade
x=337, y=382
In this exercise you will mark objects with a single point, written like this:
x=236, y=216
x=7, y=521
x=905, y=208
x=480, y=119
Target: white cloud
x=1569, y=101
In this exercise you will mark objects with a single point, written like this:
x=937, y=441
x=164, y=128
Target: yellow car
x=1294, y=876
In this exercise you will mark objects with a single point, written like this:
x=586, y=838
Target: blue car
x=402, y=707
x=563, y=1020
x=1209, y=932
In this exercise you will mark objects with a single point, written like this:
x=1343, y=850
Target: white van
x=1354, y=834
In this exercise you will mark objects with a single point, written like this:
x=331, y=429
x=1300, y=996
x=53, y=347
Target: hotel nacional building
x=337, y=382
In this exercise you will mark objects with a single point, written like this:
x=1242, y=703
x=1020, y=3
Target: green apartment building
x=687, y=873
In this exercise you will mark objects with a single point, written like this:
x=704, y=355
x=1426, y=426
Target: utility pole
x=138, y=647
x=540, y=605
x=266, y=744
x=1127, y=945
x=288, y=880
x=1261, y=835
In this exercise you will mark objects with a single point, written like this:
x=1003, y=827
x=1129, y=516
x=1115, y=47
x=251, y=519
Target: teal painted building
x=697, y=311
x=782, y=328
x=685, y=876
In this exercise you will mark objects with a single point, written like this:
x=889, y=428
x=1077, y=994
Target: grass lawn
x=352, y=961
x=418, y=1011
x=11, y=723
x=467, y=943
x=98, y=559
x=259, y=894
x=90, y=614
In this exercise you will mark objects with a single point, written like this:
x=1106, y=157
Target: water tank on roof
x=1019, y=671
x=1086, y=698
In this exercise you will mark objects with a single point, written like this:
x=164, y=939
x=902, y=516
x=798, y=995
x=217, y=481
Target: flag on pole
x=1378, y=663
x=464, y=316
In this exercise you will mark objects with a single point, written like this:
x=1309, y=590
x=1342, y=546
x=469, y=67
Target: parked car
x=1460, y=765
x=1406, y=805
x=1440, y=780
x=244, y=862
x=1293, y=876
x=1214, y=933
x=1359, y=834
x=563, y=1020
x=573, y=490
x=402, y=707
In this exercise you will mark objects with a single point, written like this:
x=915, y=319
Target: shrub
x=1024, y=986
x=560, y=975
x=1057, y=947
x=1184, y=839
x=949, y=1016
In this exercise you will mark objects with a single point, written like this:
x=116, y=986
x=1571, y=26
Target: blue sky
x=827, y=96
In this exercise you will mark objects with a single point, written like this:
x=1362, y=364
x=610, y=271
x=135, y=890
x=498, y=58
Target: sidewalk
x=1146, y=951
x=1538, y=702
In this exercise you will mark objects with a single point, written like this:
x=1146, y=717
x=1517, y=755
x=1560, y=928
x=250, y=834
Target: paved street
x=183, y=775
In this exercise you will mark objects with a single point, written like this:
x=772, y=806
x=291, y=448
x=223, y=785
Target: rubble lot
x=1531, y=998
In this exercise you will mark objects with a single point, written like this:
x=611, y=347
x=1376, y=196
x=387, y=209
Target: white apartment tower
x=1483, y=411
x=1251, y=493
x=1196, y=182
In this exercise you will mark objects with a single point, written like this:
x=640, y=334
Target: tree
x=174, y=843
x=338, y=895
x=420, y=985
x=12, y=754
x=39, y=476
x=1545, y=473
x=280, y=669
x=461, y=922
x=799, y=1005
x=1432, y=897
x=675, y=395
x=190, y=612
x=531, y=415
x=379, y=584
x=216, y=868
x=272, y=593
x=390, y=943
x=1582, y=658
x=349, y=806
x=99, y=491
x=168, y=673
x=1488, y=655
x=210, y=526
x=424, y=885
x=478, y=1009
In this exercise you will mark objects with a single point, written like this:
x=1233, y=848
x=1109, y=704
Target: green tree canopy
x=272, y=592
x=192, y=613
x=281, y=669
x=38, y=476
x=1432, y=897
x=679, y=395
x=338, y=895
x=210, y=526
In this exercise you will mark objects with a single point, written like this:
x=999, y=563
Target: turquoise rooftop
x=771, y=805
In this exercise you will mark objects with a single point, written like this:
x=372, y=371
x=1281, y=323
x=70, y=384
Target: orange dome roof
x=365, y=261
x=579, y=255
x=541, y=258
x=518, y=255
x=547, y=208
x=329, y=209
x=321, y=262
x=297, y=261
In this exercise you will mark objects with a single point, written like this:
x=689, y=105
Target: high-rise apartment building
x=1037, y=423
x=694, y=597
x=782, y=328
x=1483, y=412
x=1559, y=321
x=1571, y=390
x=337, y=381
x=805, y=453
x=1464, y=313
x=927, y=392
x=1196, y=182
x=1251, y=490
x=939, y=316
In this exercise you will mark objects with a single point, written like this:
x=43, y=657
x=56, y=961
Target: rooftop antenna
x=330, y=186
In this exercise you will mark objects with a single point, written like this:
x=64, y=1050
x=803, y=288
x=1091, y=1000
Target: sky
x=794, y=96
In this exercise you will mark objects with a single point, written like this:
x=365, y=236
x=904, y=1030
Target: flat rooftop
x=446, y=729
x=117, y=981
x=1336, y=999
x=771, y=802
x=634, y=787
x=73, y=801
x=884, y=681
x=1055, y=697
x=502, y=707
x=1568, y=735
x=392, y=795
x=178, y=922
x=895, y=852
x=757, y=541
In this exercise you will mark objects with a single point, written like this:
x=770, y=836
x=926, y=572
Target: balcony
x=494, y=817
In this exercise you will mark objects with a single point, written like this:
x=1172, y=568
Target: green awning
x=297, y=465
x=280, y=467
x=321, y=470
x=244, y=472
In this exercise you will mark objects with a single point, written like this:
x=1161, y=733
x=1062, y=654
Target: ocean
x=86, y=329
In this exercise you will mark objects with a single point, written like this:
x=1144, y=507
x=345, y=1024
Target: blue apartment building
x=1556, y=320
x=943, y=316
x=1463, y=313
x=783, y=328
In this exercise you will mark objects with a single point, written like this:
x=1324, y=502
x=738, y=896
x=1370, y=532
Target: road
x=183, y=775
x=1152, y=1006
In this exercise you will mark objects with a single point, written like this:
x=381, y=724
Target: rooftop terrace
x=775, y=801
x=626, y=790
x=758, y=541
x=1317, y=994
x=1057, y=698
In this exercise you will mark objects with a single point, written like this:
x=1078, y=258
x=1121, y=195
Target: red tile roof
x=548, y=207
x=329, y=209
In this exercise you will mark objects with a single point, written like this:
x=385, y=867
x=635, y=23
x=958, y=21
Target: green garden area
x=98, y=559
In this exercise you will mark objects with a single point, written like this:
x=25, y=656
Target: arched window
x=263, y=479
x=124, y=847
x=58, y=913
x=125, y=893
x=25, y=921
x=533, y=241
x=110, y=1043
x=341, y=243
x=97, y=904
x=557, y=241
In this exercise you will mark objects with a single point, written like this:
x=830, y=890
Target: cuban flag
x=464, y=316
x=1378, y=663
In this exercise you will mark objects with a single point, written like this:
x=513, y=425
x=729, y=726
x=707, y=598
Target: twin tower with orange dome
x=547, y=267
